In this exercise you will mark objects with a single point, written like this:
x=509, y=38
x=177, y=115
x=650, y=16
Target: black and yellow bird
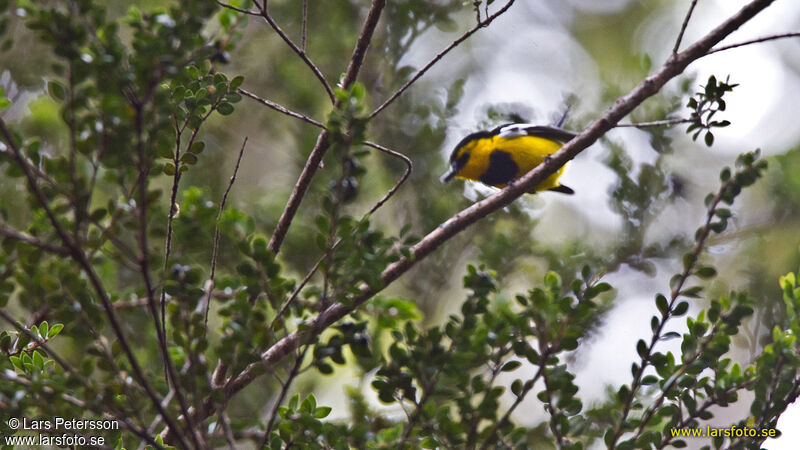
x=508, y=152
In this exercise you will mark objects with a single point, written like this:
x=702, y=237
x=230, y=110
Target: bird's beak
x=449, y=175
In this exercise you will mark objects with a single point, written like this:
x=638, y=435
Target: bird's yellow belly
x=526, y=152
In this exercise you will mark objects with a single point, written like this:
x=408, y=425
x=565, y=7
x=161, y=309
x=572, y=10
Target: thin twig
x=228, y=432
x=439, y=56
x=9, y=232
x=526, y=389
x=683, y=27
x=305, y=25
x=656, y=123
x=240, y=10
x=281, y=109
x=284, y=390
x=300, y=52
x=754, y=41
x=210, y=284
x=403, y=178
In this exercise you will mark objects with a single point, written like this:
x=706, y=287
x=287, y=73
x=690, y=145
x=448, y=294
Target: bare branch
x=754, y=41
x=654, y=124
x=441, y=55
x=9, y=232
x=284, y=390
x=305, y=26
x=209, y=288
x=402, y=179
x=239, y=10
x=300, y=52
x=281, y=109
x=683, y=27
x=362, y=43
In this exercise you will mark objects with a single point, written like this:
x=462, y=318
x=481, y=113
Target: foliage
x=131, y=293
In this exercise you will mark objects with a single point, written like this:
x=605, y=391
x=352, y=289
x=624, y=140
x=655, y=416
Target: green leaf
x=169, y=169
x=662, y=304
x=197, y=147
x=189, y=158
x=56, y=90
x=511, y=365
x=322, y=412
x=225, y=108
x=709, y=138
x=236, y=82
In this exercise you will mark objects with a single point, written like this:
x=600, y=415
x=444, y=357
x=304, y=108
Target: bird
x=506, y=153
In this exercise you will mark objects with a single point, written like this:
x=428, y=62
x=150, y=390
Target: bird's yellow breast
x=526, y=152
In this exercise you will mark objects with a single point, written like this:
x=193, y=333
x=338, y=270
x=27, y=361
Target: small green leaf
x=680, y=309
x=197, y=147
x=322, y=412
x=189, y=158
x=236, y=82
x=225, y=108
x=56, y=90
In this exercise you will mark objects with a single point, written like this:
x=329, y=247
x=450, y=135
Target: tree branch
x=281, y=109
x=656, y=123
x=754, y=41
x=9, y=232
x=209, y=288
x=683, y=27
x=439, y=56
x=300, y=52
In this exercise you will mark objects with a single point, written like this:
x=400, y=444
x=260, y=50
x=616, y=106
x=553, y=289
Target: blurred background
x=639, y=192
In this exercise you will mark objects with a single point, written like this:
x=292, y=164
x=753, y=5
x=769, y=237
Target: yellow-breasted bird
x=502, y=155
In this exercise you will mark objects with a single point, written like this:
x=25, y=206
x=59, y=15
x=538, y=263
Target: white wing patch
x=516, y=129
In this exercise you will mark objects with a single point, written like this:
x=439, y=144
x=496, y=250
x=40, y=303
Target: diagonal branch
x=754, y=41
x=440, y=55
x=321, y=147
x=209, y=288
x=300, y=52
x=683, y=27
x=281, y=109
x=9, y=232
